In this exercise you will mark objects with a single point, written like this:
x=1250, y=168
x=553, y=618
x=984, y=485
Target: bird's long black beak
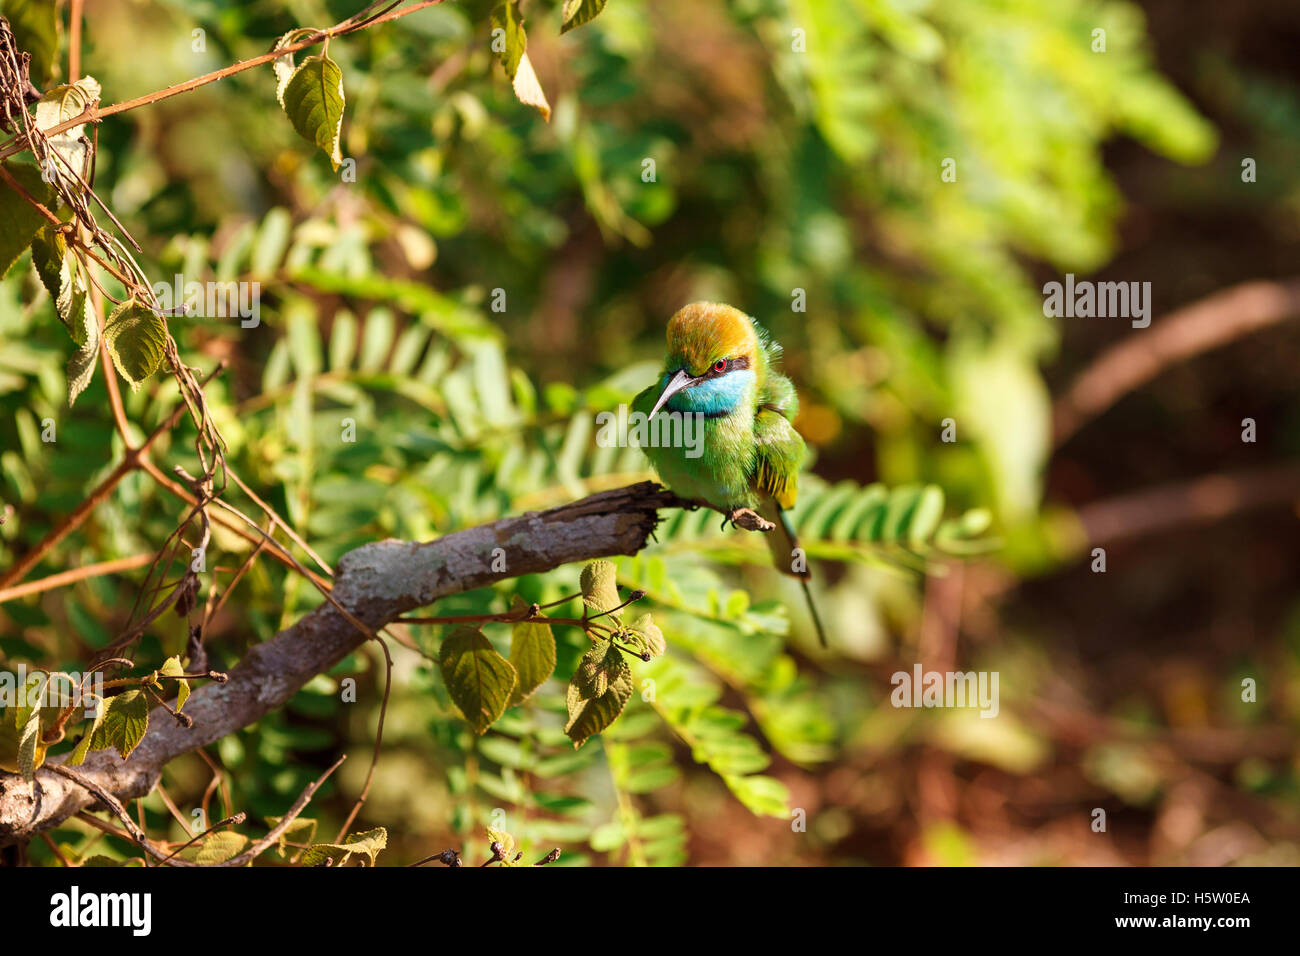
x=683, y=379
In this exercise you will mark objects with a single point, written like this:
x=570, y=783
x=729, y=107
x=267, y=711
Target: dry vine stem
x=375, y=583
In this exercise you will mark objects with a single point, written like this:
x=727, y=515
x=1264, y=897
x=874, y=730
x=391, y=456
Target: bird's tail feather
x=789, y=558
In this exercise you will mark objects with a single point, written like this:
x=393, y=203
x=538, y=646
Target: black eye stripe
x=730, y=365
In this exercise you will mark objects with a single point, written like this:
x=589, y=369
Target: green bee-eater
x=721, y=368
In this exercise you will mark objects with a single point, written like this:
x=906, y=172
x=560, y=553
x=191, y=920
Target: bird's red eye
x=720, y=365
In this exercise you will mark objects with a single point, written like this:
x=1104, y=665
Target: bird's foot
x=747, y=518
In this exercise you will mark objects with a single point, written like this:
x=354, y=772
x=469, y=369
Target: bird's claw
x=747, y=518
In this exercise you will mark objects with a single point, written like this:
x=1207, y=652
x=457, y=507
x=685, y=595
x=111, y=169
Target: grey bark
x=376, y=583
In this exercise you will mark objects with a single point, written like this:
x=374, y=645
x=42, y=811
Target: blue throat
x=714, y=397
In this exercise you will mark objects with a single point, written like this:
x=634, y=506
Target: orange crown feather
x=703, y=332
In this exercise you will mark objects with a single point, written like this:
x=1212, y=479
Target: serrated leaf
x=31, y=751
x=125, y=721
x=506, y=18
x=216, y=848
x=284, y=66
x=52, y=262
x=589, y=717
x=305, y=825
x=600, y=588
x=313, y=100
x=532, y=654
x=172, y=668
x=528, y=88
x=19, y=220
x=651, y=637
x=78, y=755
x=600, y=666
x=35, y=24
x=575, y=13
x=514, y=57
x=71, y=147
x=137, y=338
x=84, y=329
x=368, y=844
x=479, y=680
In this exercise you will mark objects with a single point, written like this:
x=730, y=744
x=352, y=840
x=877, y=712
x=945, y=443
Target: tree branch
x=375, y=583
x=1206, y=324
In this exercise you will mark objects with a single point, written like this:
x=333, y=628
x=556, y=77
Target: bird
x=721, y=366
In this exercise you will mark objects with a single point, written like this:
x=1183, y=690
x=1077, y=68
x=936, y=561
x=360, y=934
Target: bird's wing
x=779, y=454
x=779, y=395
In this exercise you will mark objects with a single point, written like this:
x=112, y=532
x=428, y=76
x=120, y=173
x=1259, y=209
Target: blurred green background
x=799, y=151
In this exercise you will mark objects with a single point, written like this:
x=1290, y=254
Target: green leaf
x=532, y=654
x=137, y=338
x=296, y=825
x=511, y=49
x=19, y=220
x=216, y=848
x=313, y=100
x=31, y=750
x=588, y=717
x=478, y=679
x=125, y=721
x=71, y=147
x=507, y=842
x=600, y=588
x=650, y=637
x=84, y=328
x=577, y=12
x=51, y=259
x=78, y=755
x=764, y=796
x=35, y=24
x=510, y=46
x=367, y=844
x=283, y=66
x=172, y=668
x=600, y=666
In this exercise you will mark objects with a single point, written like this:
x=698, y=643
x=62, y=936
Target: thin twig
x=379, y=743
x=93, y=114
x=299, y=805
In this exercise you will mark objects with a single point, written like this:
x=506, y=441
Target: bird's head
x=713, y=359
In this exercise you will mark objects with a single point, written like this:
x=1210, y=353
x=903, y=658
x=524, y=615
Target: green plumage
x=751, y=451
x=721, y=371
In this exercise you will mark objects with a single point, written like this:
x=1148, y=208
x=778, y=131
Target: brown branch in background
x=76, y=574
x=1170, y=506
x=375, y=584
x=1209, y=323
x=74, y=41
